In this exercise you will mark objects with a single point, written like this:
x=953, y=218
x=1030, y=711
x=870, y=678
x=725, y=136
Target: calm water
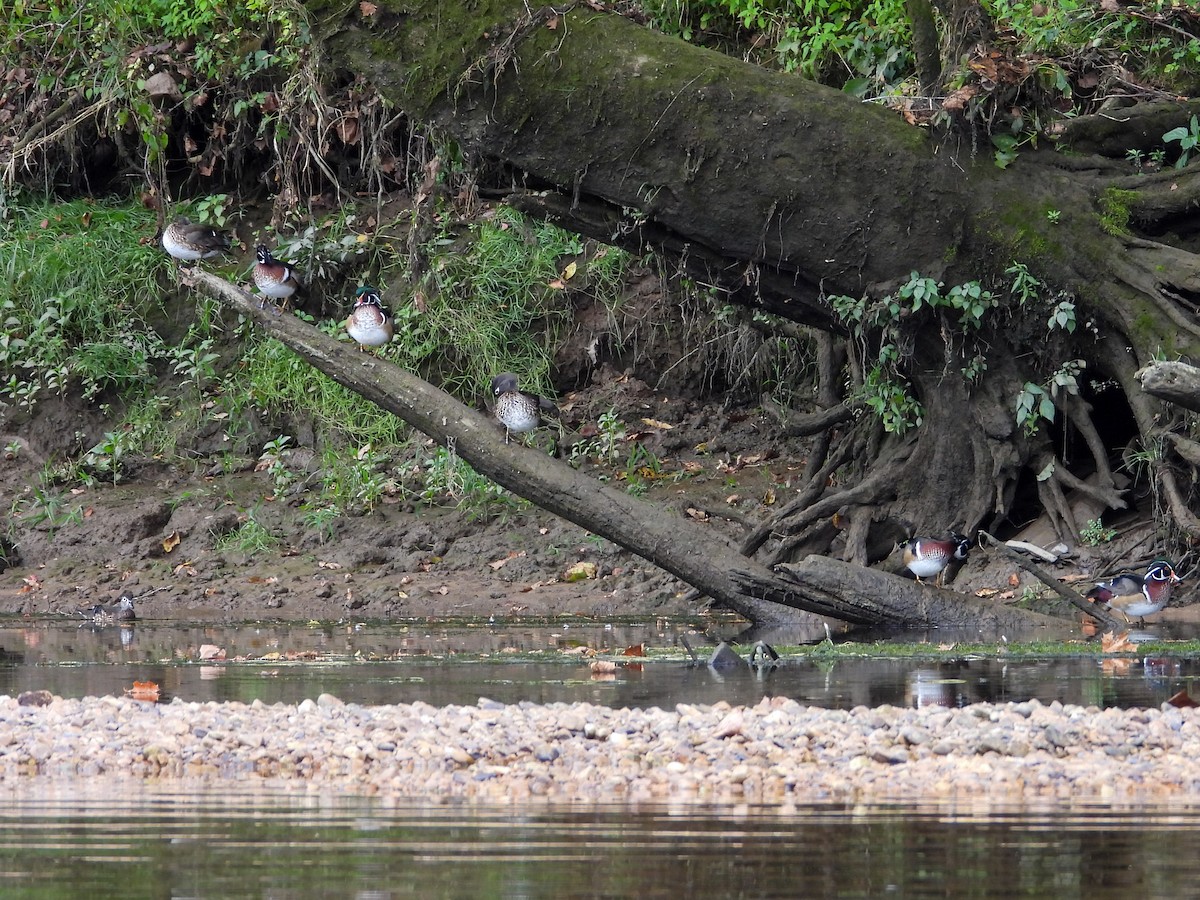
x=163, y=843
x=97, y=839
x=458, y=664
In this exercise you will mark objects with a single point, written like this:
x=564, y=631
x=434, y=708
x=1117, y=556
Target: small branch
x=1075, y=599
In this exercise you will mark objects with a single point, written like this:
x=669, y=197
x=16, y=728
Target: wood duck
x=370, y=323
x=1131, y=594
x=190, y=242
x=930, y=556
x=107, y=614
x=517, y=410
x=274, y=279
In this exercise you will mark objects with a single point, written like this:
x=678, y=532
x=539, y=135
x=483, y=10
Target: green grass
x=76, y=286
x=251, y=536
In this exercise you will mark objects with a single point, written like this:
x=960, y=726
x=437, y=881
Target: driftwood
x=691, y=551
x=1176, y=382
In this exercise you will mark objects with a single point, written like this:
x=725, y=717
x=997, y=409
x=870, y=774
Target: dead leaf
x=211, y=651
x=581, y=571
x=987, y=592
x=1182, y=699
x=347, y=129
x=946, y=647
x=569, y=272
x=635, y=650
x=1117, y=643
x=769, y=497
x=29, y=584
x=185, y=569
x=698, y=514
x=497, y=564
x=579, y=650
x=367, y=8
x=146, y=691
x=658, y=423
x=171, y=541
x=1014, y=580
x=602, y=665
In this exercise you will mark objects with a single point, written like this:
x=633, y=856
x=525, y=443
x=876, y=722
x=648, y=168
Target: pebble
x=774, y=751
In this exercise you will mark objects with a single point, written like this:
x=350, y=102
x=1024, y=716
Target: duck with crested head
x=925, y=557
x=274, y=278
x=1137, y=596
x=370, y=323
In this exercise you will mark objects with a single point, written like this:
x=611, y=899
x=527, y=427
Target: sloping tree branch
x=692, y=552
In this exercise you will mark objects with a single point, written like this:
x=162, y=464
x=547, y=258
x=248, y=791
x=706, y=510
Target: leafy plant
x=1094, y=533
x=1036, y=401
x=1189, y=139
x=1063, y=316
x=250, y=536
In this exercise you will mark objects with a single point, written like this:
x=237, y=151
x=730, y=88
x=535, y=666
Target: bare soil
x=154, y=534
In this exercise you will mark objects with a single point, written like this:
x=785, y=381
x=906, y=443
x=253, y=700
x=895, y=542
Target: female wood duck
x=107, y=614
x=517, y=410
x=370, y=323
x=1134, y=595
x=189, y=242
x=930, y=556
x=273, y=278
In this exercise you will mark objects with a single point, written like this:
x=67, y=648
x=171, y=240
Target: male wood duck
x=1134, y=595
x=517, y=410
x=930, y=556
x=188, y=241
x=107, y=614
x=276, y=280
x=370, y=323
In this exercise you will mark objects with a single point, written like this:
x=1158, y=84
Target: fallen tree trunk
x=864, y=592
x=690, y=551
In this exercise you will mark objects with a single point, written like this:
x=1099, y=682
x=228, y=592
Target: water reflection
x=442, y=663
x=198, y=841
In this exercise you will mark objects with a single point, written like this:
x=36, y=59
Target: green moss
x=1114, y=211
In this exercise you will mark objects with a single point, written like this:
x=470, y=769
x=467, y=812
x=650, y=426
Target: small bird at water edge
x=1135, y=595
x=120, y=611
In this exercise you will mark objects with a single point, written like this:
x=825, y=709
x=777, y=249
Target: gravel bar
x=777, y=750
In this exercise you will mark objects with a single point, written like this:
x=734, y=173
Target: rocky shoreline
x=774, y=752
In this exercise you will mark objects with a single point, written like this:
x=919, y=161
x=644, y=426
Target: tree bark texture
x=779, y=193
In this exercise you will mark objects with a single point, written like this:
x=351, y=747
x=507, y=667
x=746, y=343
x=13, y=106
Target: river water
x=106, y=839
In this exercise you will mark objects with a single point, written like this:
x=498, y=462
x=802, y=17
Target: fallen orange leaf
x=146, y=691
x=636, y=650
x=1117, y=643
x=171, y=541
